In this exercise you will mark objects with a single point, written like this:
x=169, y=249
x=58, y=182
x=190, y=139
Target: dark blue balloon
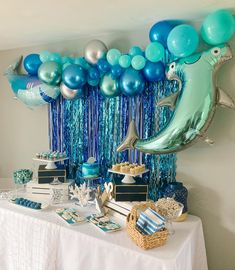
x=103, y=65
x=93, y=73
x=160, y=31
x=132, y=82
x=32, y=63
x=116, y=71
x=74, y=76
x=154, y=72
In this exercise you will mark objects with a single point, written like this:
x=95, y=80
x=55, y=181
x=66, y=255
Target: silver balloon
x=94, y=51
x=194, y=105
x=68, y=93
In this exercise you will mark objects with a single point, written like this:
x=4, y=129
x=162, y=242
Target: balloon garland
x=126, y=74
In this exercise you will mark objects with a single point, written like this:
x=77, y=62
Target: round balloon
x=74, y=76
x=154, y=52
x=44, y=56
x=182, y=40
x=135, y=50
x=138, y=62
x=103, y=66
x=113, y=56
x=218, y=27
x=50, y=72
x=56, y=57
x=132, y=82
x=116, y=71
x=81, y=61
x=160, y=31
x=109, y=87
x=93, y=73
x=154, y=72
x=32, y=63
x=94, y=51
x=125, y=61
x=70, y=94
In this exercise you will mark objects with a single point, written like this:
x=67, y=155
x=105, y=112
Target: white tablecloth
x=40, y=240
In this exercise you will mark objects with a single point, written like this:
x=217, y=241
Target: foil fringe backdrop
x=95, y=126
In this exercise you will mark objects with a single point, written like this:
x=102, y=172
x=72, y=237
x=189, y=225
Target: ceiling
x=26, y=22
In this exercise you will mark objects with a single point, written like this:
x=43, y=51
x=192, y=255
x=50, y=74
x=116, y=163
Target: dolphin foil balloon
x=194, y=104
x=29, y=89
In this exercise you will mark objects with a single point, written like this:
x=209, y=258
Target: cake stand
x=50, y=162
x=128, y=179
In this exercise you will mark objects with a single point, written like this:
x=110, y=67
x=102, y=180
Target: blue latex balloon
x=45, y=56
x=135, y=50
x=93, y=73
x=125, y=61
x=32, y=63
x=160, y=31
x=56, y=57
x=132, y=82
x=103, y=65
x=154, y=52
x=154, y=72
x=183, y=40
x=113, y=56
x=138, y=62
x=74, y=76
x=116, y=71
x=218, y=27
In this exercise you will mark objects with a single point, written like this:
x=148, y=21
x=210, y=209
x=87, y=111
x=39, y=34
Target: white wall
x=209, y=171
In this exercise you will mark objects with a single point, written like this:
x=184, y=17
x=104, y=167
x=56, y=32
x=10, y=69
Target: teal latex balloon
x=125, y=61
x=50, y=73
x=135, y=50
x=113, y=56
x=218, y=27
x=109, y=87
x=44, y=56
x=138, y=62
x=55, y=57
x=154, y=52
x=183, y=40
x=194, y=104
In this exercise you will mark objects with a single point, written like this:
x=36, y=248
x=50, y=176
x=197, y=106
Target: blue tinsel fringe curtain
x=95, y=126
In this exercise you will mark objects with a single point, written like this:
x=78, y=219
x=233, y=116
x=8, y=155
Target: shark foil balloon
x=194, y=104
x=29, y=89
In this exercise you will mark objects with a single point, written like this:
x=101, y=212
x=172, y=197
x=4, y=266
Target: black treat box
x=137, y=191
x=46, y=176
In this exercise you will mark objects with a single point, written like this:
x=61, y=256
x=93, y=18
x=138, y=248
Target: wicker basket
x=144, y=241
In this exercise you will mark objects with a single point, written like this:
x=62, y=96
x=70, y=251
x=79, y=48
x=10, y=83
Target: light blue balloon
x=154, y=52
x=135, y=50
x=50, y=73
x=138, y=62
x=218, y=27
x=44, y=56
x=183, y=40
x=113, y=56
x=125, y=61
x=55, y=57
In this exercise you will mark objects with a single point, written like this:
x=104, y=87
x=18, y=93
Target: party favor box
x=46, y=176
x=130, y=192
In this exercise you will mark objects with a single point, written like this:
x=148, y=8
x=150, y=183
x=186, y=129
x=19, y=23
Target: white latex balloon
x=95, y=50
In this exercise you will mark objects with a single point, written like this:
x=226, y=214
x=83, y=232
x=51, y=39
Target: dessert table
x=41, y=240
